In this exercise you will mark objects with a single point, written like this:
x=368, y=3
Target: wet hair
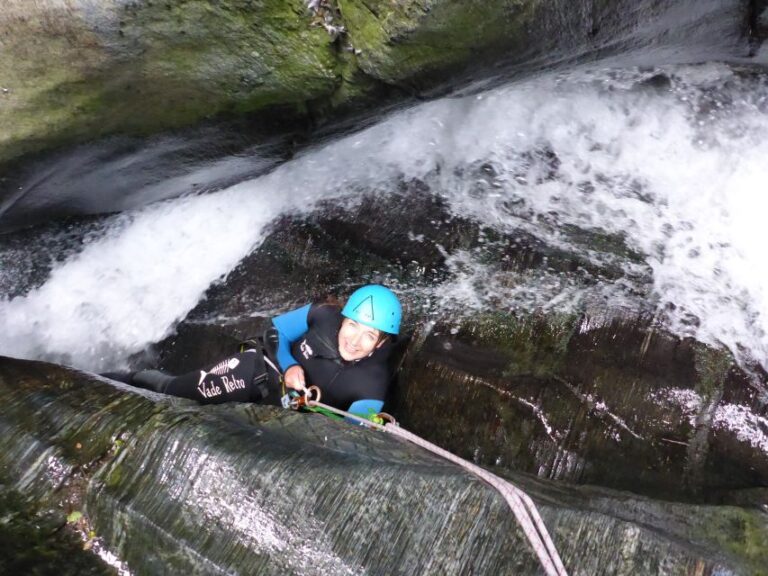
x=385, y=337
x=332, y=300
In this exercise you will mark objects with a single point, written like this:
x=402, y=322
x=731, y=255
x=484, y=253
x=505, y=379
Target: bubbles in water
x=672, y=167
x=650, y=179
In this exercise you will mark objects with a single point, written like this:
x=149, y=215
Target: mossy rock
x=621, y=403
x=35, y=542
x=172, y=496
x=415, y=42
x=74, y=72
x=78, y=71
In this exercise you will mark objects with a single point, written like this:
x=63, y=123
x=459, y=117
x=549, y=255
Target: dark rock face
x=165, y=485
x=622, y=405
x=314, y=255
x=759, y=19
x=27, y=257
x=37, y=542
x=601, y=397
x=121, y=173
x=311, y=259
x=337, y=249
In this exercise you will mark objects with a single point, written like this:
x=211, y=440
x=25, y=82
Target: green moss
x=147, y=67
x=115, y=476
x=37, y=543
x=534, y=346
x=601, y=241
x=45, y=78
x=740, y=532
x=355, y=85
x=170, y=64
x=712, y=366
x=403, y=40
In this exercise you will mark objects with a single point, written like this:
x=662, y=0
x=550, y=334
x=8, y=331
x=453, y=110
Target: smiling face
x=356, y=341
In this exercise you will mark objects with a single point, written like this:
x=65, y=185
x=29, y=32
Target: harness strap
x=271, y=364
x=259, y=381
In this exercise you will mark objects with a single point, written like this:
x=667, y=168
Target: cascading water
x=669, y=160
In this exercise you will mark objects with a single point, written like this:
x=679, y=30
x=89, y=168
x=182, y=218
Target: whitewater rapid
x=670, y=159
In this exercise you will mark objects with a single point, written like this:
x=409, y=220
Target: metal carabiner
x=312, y=394
x=383, y=419
x=291, y=400
x=296, y=400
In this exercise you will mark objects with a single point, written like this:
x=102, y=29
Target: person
x=342, y=351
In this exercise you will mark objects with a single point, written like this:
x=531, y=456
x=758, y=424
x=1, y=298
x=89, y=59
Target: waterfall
x=669, y=160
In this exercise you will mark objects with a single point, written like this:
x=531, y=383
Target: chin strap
x=520, y=503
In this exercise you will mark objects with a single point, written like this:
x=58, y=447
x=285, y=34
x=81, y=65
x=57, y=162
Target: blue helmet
x=375, y=306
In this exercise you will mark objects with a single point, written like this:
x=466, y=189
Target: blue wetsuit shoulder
x=366, y=408
x=290, y=327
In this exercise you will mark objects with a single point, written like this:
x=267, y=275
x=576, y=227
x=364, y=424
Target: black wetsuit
x=341, y=383
x=253, y=375
x=243, y=377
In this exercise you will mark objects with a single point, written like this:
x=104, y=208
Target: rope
x=522, y=506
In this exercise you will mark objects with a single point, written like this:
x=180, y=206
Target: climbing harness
x=522, y=506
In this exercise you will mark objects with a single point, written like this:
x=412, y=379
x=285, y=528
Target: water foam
x=670, y=160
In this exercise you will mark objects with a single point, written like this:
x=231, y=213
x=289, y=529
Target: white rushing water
x=678, y=168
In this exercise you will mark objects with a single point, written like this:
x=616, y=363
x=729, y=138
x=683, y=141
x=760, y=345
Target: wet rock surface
x=143, y=66
x=27, y=257
x=125, y=172
x=40, y=542
x=599, y=396
x=336, y=249
x=759, y=20
x=166, y=485
x=621, y=405
x=313, y=258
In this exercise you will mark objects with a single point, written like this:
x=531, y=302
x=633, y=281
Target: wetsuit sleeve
x=290, y=327
x=366, y=408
